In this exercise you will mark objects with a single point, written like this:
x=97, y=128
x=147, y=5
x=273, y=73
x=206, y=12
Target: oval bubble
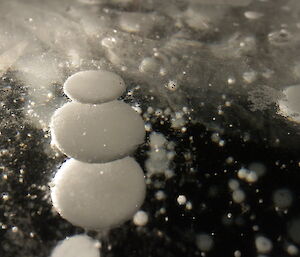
x=98, y=196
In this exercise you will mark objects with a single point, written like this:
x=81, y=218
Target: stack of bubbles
x=100, y=186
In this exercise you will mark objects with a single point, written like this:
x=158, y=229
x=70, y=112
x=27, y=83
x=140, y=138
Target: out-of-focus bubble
x=79, y=245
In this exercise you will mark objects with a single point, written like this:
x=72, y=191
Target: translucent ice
x=290, y=106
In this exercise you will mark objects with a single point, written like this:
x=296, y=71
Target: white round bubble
x=79, y=245
x=94, y=86
x=290, y=105
x=140, y=218
x=97, y=133
x=98, y=196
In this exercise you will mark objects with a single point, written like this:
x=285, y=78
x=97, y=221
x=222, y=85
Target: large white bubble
x=97, y=133
x=94, y=86
x=98, y=196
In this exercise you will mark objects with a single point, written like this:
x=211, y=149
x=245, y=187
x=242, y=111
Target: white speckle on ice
x=97, y=133
x=250, y=76
x=140, y=218
x=94, y=86
x=79, y=245
x=98, y=196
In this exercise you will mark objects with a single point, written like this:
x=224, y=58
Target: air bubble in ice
x=140, y=218
x=97, y=133
x=79, y=245
x=98, y=196
x=238, y=196
x=294, y=230
x=282, y=198
x=94, y=86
